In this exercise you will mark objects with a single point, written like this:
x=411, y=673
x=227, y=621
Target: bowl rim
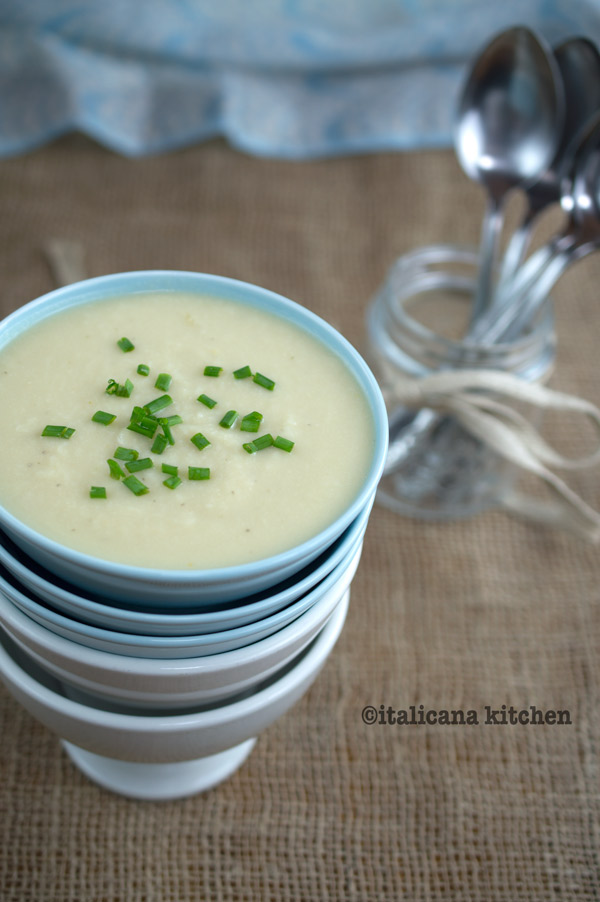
x=131, y=617
x=275, y=622
x=309, y=662
x=138, y=281
x=154, y=670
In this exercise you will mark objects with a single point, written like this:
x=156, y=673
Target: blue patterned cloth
x=287, y=78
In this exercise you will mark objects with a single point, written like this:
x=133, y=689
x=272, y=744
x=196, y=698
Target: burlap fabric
x=491, y=611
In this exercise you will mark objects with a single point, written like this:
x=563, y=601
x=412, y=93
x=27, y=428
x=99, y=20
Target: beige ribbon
x=480, y=400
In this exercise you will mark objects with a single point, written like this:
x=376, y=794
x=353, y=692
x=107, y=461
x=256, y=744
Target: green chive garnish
x=58, y=431
x=146, y=427
x=170, y=469
x=144, y=463
x=167, y=433
x=163, y=381
x=97, y=491
x=229, y=419
x=101, y=416
x=212, y=370
x=126, y=453
x=250, y=447
x=242, y=373
x=114, y=469
x=122, y=391
x=208, y=402
x=200, y=441
x=170, y=421
x=135, y=485
x=264, y=381
x=158, y=404
x=251, y=422
x=172, y=482
x=125, y=344
x=198, y=472
x=284, y=443
x=143, y=369
x=263, y=441
x=159, y=444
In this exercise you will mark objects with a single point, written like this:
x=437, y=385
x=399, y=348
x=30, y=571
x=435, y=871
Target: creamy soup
x=244, y=504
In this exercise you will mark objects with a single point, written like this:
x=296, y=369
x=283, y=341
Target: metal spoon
x=578, y=61
x=508, y=124
x=535, y=279
x=580, y=237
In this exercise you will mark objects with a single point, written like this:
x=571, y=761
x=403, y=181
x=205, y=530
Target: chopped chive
x=114, y=469
x=135, y=485
x=97, y=491
x=212, y=370
x=229, y=419
x=200, y=441
x=101, y=416
x=143, y=369
x=208, y=402
x=251, y=422
x=126, y=453
x=170, y=469
x=145, y=427
x=163, y=381
x=167, y=433
x=159, y=444
x=170, y=421
x=125, y=344
x=263, y=441
x=172, y=482
x=243, y=373
x=250, y=447
x=144, y=463
x=58, y=431
x=137, y=413
x=264, y=381
x=158, y=403
x=198, y=473
x=124, y=391
x=284, y=443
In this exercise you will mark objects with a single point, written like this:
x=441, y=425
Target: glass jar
x=416, y=325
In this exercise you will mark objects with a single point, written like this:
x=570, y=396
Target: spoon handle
x=532, y=300
x=515, y=251
x=510, y=294
x=490, y=232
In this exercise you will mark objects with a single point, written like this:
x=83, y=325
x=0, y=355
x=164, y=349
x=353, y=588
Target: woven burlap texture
x=489, y=611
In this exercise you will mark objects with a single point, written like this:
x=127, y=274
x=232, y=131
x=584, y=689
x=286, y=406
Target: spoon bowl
x=508, y=125
x=578, y=61
x=580, y=237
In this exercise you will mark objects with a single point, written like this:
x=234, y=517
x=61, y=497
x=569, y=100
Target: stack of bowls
x=158, y=681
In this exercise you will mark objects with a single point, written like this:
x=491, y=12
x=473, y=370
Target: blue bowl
x=142, y=584
x=56, y=597
x=173, y=647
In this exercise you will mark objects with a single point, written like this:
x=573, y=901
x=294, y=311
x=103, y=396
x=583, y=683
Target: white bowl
x=175, y=755
x=49, y=590
x=121, y=643
x=160, y=683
